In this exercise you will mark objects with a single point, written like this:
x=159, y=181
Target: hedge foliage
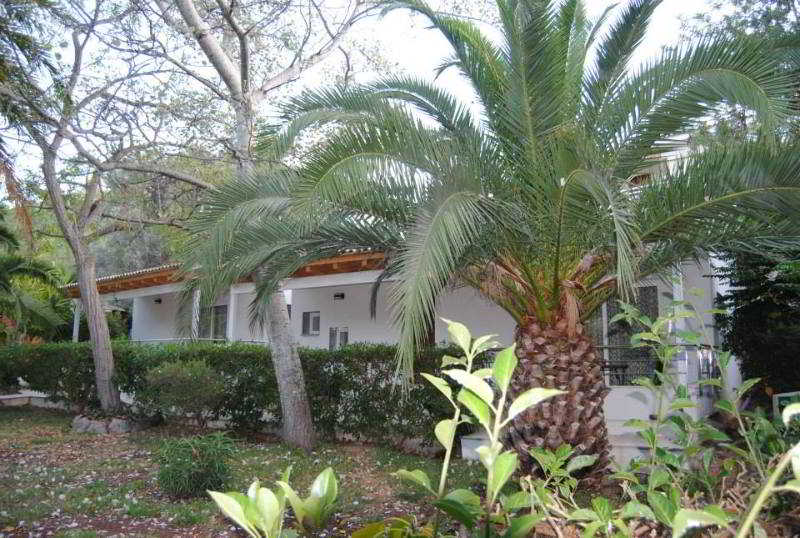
x=350, y=389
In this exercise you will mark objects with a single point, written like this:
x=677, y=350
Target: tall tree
x=560, y=187
x=229, y=35
x=85, y=118
x=133, y=98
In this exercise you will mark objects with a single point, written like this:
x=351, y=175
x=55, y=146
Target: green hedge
x=350, y=389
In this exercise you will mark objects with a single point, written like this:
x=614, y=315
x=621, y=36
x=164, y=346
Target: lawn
x=57, y=483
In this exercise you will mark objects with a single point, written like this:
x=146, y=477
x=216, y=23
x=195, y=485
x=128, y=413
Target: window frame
x=210, y=322
x=307, y=323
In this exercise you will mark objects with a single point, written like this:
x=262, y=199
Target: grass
x=52, y=479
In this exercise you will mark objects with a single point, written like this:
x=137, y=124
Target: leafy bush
x=762, y=324
x=184, y=388
x=64, y=371
x=191, y=466
x=350, y=389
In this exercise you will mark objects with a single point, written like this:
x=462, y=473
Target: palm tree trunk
x=552, y=356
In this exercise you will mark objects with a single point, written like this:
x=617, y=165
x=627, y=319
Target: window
x=338, y=337
x=310, y=324
x=623, y=362
x=214, y=323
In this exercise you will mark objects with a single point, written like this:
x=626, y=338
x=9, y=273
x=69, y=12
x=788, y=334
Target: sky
x=416, y=50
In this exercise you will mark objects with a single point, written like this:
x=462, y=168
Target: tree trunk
x=298, y=429
x=90, y=298
x=98, y=333
x=551, y=357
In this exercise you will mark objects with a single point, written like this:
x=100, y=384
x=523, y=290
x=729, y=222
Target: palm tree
x=556, y=189
x=16, y=303
x=7, y=237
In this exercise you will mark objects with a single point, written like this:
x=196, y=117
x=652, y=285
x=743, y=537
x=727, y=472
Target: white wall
x=242, y=331
x=159, y=321
x=481, y=316
x=154, y=321
x=351, y=312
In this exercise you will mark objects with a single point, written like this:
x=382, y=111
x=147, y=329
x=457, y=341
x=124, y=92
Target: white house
x=330, y=307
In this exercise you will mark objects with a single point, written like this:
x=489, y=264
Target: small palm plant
x=565, y=182
x=16, y=303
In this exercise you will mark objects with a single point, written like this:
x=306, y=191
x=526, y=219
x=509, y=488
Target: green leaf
x=635, y=509
x=504, y=364
x=268, y=508
x=663, y=507
x=725, y=405
x=681, y=403
x=465, y=497
x=715, y=382
x=373, y=530
x=746, y=385
x=445, y=432
x=686, y=520
x=233, y=506
x=441, y=385
x=483, y=373
x=650, y=337
x=591, y=529
x=602, y=508
x=459, y=511
x=504, y=466
x=516, y=501
x=476, y=406
x=529, y=398
x=625, y=475
x=459, y=334
x=325, y=486
x=483, y=343
x=583, y=514
x=718, y=512
x=789, y=412
x=474, y=383
x=416, y=476
x=297, y=504
x=581, y=462
x=521, y=527
x=447, y=360
x=636, y=423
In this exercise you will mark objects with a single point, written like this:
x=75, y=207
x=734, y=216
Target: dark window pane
x=332, y=332
x=625, y=362
x=220, y=322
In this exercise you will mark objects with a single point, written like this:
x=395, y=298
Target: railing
x=642, y=362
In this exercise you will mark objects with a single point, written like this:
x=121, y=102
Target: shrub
x=762, y=324
x=188, y=467
x=350, y=389
x=64, y=371
x=184, y=388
